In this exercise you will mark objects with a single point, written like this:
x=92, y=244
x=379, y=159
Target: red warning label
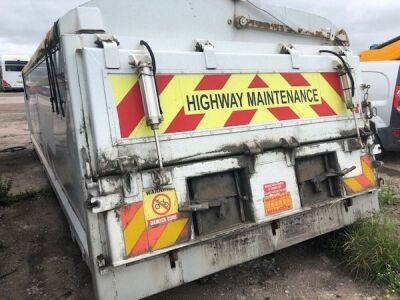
x=275, y=188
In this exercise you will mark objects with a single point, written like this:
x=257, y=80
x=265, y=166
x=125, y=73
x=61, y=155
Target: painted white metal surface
x=96, y=173
x=382, y=77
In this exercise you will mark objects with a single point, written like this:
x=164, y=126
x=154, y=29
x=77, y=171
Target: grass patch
x=388, y=197
x=7, y=199
x=370, y=248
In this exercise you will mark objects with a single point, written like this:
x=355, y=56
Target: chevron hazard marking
x=194, y=102
x=154, y=223
x=366, y=180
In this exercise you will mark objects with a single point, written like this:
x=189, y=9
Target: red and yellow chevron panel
x=214, y=101
x=366, y=180
x=134, y=229
x=141, y=238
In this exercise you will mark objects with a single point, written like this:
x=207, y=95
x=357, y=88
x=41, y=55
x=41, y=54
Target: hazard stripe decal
x=212, y=82
x=295, y=79
x=130, y=111
x=366, y=180
x=135, y=230
x=334, y=82
x=169, y=235
x=183, y=122
x=213, y=101
x=162, y=82
x=257, y=83
x=283, y=113
x=240, y=118
x=140, y=238
x=323, y=109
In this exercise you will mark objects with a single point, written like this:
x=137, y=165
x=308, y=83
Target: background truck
x=11, y=72
x=186, y=137
x=381, y=71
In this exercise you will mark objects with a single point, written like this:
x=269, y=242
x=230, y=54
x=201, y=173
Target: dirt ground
x=38, y=259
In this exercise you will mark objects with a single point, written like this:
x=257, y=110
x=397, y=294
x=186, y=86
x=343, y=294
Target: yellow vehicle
x=389, y=50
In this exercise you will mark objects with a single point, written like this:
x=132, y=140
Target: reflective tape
x=366, y=180
x=215, y=101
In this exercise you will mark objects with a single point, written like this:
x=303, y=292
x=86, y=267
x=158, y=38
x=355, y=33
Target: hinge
x=110, y=45
x=103, y=263
x=252, y=148
x=207, y=48
x=289, y=145
x=294, y=55
x=101, y=198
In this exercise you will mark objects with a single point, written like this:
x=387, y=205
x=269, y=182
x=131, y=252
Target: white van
x=10, y=72
x=384, y=94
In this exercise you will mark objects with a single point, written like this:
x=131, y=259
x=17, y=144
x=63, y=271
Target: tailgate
x=209, y=113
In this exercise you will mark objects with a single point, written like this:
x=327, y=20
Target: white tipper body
x=97, y=172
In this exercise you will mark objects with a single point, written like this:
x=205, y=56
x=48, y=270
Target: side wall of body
x=55, y=126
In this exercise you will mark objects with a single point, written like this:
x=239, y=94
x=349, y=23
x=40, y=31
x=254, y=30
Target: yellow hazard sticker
x=160, y=206
x=277, y=203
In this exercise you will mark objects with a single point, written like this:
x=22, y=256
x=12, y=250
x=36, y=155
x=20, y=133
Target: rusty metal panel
x=222, y=195
x=318, y=178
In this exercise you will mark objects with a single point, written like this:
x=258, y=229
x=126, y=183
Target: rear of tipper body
x=185, y=137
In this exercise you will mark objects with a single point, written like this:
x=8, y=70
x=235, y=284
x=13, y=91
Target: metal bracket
x=350, y=145
x=159, y=178
x=104, y=203
x=103, y=264
x=294, y=55
x=242, y=22
x=366, y=132
x=317, y=180
x=110, y=45
x=252, y=149
x=206, y=205
x=207, y=48
x=290, y=147
x=342, y=38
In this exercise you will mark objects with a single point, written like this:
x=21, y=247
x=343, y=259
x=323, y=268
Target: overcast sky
x=23, y=23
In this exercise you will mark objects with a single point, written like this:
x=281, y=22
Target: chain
x=366, y=88
x=370, y=111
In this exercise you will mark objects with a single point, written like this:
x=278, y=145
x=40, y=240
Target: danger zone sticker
x=160, y=206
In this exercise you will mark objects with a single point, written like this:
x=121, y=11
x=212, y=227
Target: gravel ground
x=40, y=261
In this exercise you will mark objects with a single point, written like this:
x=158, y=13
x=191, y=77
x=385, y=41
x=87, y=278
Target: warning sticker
x=160, y=206
x=275, y=188
x=277, y=203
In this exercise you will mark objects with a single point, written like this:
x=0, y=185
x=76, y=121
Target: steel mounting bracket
x=207, y=48
x=110, y=45
x=294, y=55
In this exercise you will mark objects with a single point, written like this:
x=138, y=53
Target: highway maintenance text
x=251, y=99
